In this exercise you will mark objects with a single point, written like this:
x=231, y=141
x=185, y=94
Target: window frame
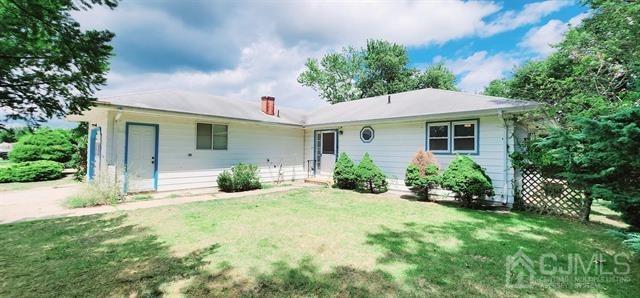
x=475, y=136
x=448, y=137
x=451, y=136
x=373, y=134
x=212, y=125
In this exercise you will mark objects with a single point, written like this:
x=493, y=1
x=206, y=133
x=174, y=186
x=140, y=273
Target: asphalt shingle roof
x=203, y=104
x=423, y=102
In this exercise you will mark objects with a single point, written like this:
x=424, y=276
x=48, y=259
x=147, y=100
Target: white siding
x=267, y=146
x=395, y=144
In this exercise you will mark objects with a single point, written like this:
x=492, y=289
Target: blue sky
x=246, y=49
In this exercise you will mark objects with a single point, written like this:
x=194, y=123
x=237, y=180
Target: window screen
x=439, y=137
x=203, y=136
x=328, y=143
x=220, y=137
x=464, y=137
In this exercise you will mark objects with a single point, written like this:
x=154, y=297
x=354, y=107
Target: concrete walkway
x=48, y=202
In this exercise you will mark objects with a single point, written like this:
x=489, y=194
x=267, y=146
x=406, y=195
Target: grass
x=274, y=185
x=307, y=242
x=141, y=197
x=95, y=193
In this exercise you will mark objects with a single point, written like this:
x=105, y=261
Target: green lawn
x=305, y=242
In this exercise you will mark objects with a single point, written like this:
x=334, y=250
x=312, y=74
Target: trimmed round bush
x=370, y=177
x=344, y=174
x=225, y=181
x=40, y=170
x=467, y=180
x=43, y=144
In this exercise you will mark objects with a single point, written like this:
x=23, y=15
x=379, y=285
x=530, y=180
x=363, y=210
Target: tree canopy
x=594, y=69
x=590, y=88
x=49, y=67
x=379, y=68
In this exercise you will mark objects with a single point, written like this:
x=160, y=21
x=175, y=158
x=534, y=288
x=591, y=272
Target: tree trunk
x=586, y=207
x=371, y=186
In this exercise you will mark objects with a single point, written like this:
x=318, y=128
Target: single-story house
x=170, y=140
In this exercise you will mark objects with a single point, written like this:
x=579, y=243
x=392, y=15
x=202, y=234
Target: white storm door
x=141, y=157
x=328, y=150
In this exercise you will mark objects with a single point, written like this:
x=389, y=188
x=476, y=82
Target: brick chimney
x=268, y=105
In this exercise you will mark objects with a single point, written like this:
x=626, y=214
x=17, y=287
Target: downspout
x=114, y=136
x=304, y=152
x=505, y=186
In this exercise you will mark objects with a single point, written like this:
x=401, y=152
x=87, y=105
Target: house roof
x=203, y=104
x=417, y=103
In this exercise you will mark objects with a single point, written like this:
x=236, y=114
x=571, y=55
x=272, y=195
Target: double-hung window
x=464, y=136
x=453, y=137
x=438, y=137
x=211, y=136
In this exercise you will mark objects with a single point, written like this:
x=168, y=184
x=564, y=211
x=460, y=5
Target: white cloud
x=530, y=14
x=575, y=21
x=477, y=70
x=249, y=49
x=265, y=68
x=411, y=23
x=540, y=40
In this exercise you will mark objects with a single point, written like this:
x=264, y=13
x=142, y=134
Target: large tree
x=591, y=88
x=437, y=76
x=379, y=68
x=49, y=67
x=596, y=66
x=600, y=156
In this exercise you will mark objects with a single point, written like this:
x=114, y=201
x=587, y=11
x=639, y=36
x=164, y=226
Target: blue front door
x=91, y=153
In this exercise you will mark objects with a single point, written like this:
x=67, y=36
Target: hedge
x=40, y=170
x=44, y=144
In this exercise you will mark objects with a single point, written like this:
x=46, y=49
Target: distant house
x=5, y=148
x=169, y=140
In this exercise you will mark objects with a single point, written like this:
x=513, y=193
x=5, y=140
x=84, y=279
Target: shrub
x=344, y=174
x=225, y=181
x=43, y=144
x=96, y=193
x=242, y=177
x=467, y=180
x=424, y=158
x=79, y=139
x=40, y=170
x=632, y=240
x=422, y=174
x=421, y=181
x=370, y=177
x=245, y=177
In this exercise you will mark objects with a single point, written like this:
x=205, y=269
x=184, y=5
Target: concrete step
x=319, y=181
